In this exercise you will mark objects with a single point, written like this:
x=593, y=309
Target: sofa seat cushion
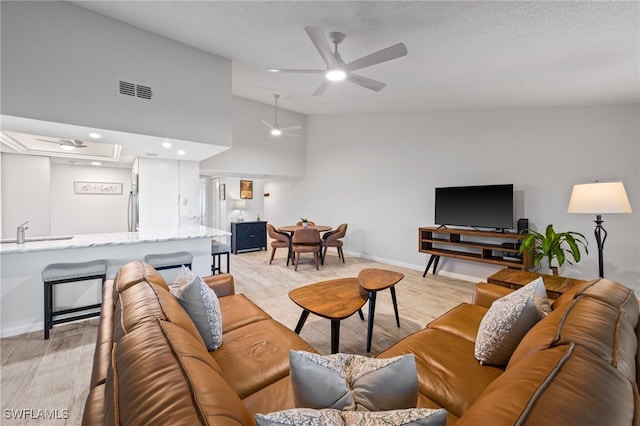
x=257, y=355
x=448, y=373
x=162, y=375
x=274, y=397
x=237, y=311
x=93, y=413
x=424, y=402
x=462, y=321
x=565, y=385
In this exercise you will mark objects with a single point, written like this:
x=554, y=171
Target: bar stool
x=217, y=251
x=60, y=273
x=169, y=260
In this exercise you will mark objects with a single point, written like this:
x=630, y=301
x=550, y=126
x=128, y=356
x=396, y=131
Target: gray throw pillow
x=508, y=320
x=202, y=305
x=353, y=382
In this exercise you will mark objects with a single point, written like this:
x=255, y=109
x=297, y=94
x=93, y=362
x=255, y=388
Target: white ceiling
x=462, y=55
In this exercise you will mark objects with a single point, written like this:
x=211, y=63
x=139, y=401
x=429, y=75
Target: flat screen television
x=483, y=206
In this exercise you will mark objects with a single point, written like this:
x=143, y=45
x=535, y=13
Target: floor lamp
x=599, y=198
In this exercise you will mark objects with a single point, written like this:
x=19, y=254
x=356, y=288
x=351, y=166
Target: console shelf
x=497, y=248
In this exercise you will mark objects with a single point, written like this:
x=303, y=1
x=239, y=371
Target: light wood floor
x=54, y=374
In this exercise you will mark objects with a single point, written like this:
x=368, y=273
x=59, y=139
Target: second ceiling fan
x=337, y=69
x=275, y=130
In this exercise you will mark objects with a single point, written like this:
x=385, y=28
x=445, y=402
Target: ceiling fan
x=275, y=130
x=337, y=69
x=67, y=144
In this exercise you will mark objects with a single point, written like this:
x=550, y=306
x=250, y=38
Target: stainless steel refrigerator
x=133, y=213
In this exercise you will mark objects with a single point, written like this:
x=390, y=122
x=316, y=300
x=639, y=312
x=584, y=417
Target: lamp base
x=240, y=218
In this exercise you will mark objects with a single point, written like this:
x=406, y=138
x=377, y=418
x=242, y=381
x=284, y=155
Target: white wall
x=25, y=194
x=73, y=214
x=254, y=151
x=255, y=206
x=62, y=63
x=377, y=172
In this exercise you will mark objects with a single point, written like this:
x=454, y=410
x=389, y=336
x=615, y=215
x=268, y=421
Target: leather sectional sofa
x=577, y=366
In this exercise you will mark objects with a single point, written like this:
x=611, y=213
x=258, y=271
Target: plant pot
x=554, y=271
x=305, y=224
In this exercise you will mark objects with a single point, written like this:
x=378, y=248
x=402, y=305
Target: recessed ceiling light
x=95, y=135
x=166, y=144
x=96, y=163
x=181, y=152
x=67, y=147
x=336, y=75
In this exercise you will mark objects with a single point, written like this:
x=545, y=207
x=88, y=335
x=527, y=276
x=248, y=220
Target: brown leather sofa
x=577, y=366
x=151, y=367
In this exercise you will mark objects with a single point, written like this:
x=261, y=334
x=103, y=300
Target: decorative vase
x=554, y=271
x=304, y=224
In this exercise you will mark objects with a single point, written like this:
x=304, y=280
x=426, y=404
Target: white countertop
x=184, y=232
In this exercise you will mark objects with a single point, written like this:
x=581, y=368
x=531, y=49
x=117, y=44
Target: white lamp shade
x=239, y=205
x=599, y=198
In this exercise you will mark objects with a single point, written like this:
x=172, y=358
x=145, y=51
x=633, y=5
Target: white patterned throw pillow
x=508, y=320
x=333, y=417
x=201, y=303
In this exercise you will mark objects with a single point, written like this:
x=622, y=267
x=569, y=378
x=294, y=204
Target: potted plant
x=553, y=245
x=305, y=222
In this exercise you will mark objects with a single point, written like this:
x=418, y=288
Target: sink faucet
x=21, y=229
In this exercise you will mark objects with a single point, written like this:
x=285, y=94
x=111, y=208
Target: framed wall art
x=97, y=187
x=246, y=189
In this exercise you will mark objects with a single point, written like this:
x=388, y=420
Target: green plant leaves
x=553, y=245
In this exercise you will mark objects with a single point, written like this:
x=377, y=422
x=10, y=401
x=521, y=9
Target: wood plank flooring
x=53, y=375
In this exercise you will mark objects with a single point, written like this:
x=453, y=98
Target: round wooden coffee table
x=333, y=299
x=373, y=280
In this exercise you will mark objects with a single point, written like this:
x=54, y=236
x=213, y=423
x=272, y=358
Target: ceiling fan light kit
x=337, y=69
x=275, y=130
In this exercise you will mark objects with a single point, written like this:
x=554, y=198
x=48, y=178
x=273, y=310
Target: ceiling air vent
x=133, y=89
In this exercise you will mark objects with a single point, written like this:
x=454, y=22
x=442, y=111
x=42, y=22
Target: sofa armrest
x=221, y=284
x=484, y=294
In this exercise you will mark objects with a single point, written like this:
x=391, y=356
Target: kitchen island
x=21, y=287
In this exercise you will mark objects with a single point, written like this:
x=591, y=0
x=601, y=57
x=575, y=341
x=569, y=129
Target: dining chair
x=306, y=240
x=333, y=239
x=279, y=240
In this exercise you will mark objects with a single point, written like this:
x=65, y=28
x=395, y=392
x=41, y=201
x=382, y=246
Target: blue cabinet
x=248, y=236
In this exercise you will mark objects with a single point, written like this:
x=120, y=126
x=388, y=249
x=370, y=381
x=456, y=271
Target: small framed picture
x=246, y=189
x=221, y=194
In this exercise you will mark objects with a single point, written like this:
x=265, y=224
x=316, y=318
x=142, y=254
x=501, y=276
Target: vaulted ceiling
x=461, y=55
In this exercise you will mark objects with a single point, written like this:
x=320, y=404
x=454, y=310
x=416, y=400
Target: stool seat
x=217, y=251
x=169, y=260
x=64, y=271
x=61, y=273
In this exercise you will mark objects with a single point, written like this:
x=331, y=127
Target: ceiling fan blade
x=321, y=43
x=290, y=128
x=45, y=140
x=293, y=135
x=299, y=71
x=322, y=88
x=369, y=83
x=393, y=52
x=267, y=124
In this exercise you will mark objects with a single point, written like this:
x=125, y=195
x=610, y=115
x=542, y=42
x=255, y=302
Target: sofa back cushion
x=564, y=385
x=161, y=374
x=602, y=319
x=134, y=272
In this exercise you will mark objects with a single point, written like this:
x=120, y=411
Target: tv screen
x=486, y=206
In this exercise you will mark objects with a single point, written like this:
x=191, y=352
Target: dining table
x=291, y=229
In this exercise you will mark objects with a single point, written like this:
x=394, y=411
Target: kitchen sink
x=28, y=240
